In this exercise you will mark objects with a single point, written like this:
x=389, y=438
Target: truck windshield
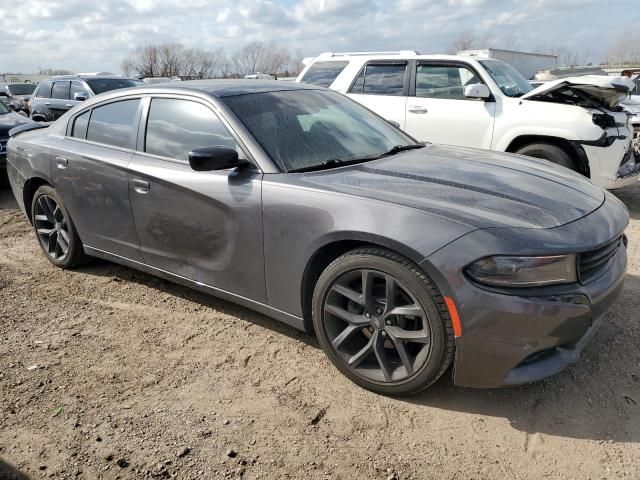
x=509, y=80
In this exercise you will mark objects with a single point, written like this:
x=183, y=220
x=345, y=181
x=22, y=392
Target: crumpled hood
x=475, y=187
x=609, y=90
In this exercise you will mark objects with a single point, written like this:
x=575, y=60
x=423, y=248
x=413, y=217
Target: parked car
x=8, y=120
x=486, y=103
x=298, y=202
x=17, y=95
x=59, y=94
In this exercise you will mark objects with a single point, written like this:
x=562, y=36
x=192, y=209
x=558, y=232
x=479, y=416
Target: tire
x=549, y=152
x=54, y=228
x=340, y=319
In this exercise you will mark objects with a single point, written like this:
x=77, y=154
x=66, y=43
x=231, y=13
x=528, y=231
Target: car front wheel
x=382, y=322
x=54, y=229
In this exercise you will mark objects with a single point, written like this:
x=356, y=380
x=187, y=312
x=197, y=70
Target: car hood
x=476, y=187
x=610, y=91
x=11, y=120
x=631, y=104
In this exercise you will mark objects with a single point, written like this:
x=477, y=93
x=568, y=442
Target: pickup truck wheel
x=549, y=152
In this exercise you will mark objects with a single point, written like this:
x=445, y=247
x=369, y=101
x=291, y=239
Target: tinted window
x=380, y=80
x=60, y=90
x=77, y=87
x=101, y=85
x=3, y=108
x=443, y=81
x=80, y=125
x=113, y=124
x=21, y=88
x=44, y=91
x=307, y=128
x=175, y=127
x=323, y=73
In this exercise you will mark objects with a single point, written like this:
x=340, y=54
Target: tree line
x=176, y=60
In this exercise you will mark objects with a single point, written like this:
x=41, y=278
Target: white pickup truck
x=486, y=103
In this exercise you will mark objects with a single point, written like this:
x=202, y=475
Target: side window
x=44, y=90
x=114, y=123
x=443, y=81
x=323, y=73
x=77, y=87
x=175, y=127
x=60, y=90
x=382, y=79
x=80, y=125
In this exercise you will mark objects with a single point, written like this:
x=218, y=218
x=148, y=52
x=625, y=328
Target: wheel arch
x=29, y=189
x=575, y=152
x=328, y=252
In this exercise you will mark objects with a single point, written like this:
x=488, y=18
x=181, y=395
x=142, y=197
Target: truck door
x=437, y=110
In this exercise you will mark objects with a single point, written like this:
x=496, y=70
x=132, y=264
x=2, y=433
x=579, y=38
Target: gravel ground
x=110, y=373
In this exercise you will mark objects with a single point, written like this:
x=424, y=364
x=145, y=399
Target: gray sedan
x=295, y=201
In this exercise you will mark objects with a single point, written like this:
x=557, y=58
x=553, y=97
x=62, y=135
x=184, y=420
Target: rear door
x=437, y=110
x=41, y=102
x=203, y=226
x=89, y=171
x=383, y=86
x=59, y=99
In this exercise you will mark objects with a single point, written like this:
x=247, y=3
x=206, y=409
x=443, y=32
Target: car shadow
x=630, y=196
x=9, y=472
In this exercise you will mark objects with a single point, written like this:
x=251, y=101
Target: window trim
x=447, y=63
x=69, y=128
x=144, y=116
x=406, y=84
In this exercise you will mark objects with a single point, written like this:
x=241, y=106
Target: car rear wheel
x=54, y=229
x=382, y=322
x=549, y=152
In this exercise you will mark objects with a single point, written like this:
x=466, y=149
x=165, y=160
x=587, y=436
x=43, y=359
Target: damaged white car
x=483, y=103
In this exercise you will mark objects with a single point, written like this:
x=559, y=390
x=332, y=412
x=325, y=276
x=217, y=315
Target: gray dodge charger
x=295, y=201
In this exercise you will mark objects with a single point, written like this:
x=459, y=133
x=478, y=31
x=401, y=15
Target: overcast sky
x=88, y=35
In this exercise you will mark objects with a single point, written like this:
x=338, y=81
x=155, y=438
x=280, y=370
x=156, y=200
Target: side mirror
x=207, y=159
x=80, y=96
x=477, y=90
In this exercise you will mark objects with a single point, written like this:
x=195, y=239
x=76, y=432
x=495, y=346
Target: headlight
x=503, y=271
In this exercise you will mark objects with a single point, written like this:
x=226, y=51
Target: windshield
x=101, y=85
x=509, y=80
x=21, y=88
x=3, y=108
x=301, y=129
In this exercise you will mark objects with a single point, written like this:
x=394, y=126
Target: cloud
x=92, y=36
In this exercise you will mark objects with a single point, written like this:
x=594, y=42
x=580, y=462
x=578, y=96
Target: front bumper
x=615, y=166
x=515, y=336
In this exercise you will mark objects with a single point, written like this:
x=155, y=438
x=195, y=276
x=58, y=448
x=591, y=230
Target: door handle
x=47, y=103
x=417, y=109
x=141, y=186
x=62, y=162
x=68, y=105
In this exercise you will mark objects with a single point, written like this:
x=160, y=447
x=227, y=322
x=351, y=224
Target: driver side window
x=443, y=81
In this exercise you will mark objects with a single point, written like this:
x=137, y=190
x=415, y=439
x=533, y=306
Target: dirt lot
x=109, y=373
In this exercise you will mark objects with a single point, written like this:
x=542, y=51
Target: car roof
x=229, y=88
x=85, y=77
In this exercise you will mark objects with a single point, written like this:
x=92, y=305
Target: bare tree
x=247, y=60
x=509, y=42
x=625, y=49
x=464, y=41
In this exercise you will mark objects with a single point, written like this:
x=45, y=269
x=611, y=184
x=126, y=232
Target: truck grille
x=591, y=265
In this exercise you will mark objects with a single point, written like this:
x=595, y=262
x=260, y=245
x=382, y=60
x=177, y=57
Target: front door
x=203, y=226
x=437, y=110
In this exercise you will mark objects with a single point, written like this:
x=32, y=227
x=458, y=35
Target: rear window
x=101, y=85
x=323, y=73
x=383, y=79
x=114, y=123
x=44, y=91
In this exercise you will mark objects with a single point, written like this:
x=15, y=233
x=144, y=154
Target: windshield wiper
x=401, y=148
x=334, y=162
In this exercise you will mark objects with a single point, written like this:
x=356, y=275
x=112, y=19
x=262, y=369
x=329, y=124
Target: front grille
x=592, y=264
